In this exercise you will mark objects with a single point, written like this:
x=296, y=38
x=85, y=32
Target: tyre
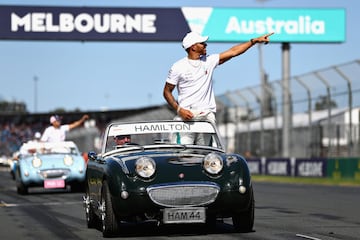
x=244, y=221
x=91, y=218
x=22, y=189
x=110, y=225
x=77, y=187
x=210, y=222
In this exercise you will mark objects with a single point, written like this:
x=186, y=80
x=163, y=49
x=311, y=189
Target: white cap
x=193, y=37
x=55, y=118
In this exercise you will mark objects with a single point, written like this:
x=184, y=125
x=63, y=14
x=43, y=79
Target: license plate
x=184, y=215
x=54, y=183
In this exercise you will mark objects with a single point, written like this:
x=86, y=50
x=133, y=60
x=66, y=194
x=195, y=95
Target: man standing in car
x=57, y=132
x=192, y=75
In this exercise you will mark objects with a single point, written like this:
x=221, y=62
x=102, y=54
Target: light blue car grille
x=55, y=173
x=178, y=195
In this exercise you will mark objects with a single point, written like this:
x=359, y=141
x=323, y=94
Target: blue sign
x=86, y=23
x=289, y=25
x=314, y=167
x=254, y=165
x=278, y=166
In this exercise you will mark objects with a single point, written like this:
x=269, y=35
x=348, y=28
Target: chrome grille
x=178, y=195
x=55, y=173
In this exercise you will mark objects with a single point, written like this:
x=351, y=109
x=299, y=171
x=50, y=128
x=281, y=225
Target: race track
x=283, y=211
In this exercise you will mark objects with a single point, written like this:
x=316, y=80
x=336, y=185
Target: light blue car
x=50, y=166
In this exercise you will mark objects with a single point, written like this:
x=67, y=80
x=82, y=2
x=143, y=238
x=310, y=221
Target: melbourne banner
x=170, y=24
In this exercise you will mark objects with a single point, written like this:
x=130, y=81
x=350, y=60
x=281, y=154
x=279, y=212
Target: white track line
x=307, y=237
x=4, y=204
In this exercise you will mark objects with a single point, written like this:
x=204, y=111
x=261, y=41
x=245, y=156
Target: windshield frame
x=157, y=130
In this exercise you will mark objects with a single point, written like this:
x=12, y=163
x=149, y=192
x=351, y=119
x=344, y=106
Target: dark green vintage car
x=166, y=171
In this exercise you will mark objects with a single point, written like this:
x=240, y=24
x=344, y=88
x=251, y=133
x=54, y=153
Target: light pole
x=35, y=93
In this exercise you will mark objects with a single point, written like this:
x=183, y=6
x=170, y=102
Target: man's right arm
x=45, y=135
x=182, y=112
x=169, y=97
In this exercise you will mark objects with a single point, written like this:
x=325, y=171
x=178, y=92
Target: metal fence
x=320, y=105
x=303, y=143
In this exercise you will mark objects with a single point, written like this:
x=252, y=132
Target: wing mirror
x=92, y=156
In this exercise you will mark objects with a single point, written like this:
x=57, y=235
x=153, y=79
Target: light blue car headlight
x=36, y=162
x=145, y=167
x=213, y=163
x=68, y=160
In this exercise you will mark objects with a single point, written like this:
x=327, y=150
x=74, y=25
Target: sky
x=94, y=76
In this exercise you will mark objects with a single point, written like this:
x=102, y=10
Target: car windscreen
x=31, y=148
x=185, y=133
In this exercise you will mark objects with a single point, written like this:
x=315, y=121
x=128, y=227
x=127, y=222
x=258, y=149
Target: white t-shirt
x=52, y=134
x=193, y=79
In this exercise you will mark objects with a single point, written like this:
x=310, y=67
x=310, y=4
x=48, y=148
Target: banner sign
x=278, y=166
x=170, y=24
x=340, y=168
x=92, y=24
x=313, y=167
x=289, y=25
x=254, y=165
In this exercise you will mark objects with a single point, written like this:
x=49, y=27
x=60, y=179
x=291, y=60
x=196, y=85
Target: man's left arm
x=78, y=122
x=243, y=47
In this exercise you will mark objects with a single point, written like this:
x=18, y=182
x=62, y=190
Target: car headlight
x=213, y=163
x=36, y=162
x=145, y=167
x=68, y=160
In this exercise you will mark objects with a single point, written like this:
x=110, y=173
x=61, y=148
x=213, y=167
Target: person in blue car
x=57, y=132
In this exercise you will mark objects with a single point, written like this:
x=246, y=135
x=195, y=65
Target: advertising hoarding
x=170, y=24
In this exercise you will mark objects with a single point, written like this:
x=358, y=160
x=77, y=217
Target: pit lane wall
x=337, y=168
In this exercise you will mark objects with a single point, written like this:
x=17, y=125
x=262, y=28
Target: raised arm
x=78, y=122
x=243, y=47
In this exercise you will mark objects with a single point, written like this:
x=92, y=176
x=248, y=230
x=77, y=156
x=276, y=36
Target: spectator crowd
x=12, y=136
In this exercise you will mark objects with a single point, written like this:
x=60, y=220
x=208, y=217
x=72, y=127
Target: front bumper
x=153, y=199
x=37, y=178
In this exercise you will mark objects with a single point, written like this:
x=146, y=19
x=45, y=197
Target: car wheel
x=244, y=222
x=21, y=188
x=91, y=218
x=77, y=187
x=110, y=225
x=210, y=222
x=12, y=175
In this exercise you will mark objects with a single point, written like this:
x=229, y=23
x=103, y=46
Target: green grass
x=306, y=180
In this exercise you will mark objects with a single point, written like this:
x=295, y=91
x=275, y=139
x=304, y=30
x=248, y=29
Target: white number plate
x=184, y=215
